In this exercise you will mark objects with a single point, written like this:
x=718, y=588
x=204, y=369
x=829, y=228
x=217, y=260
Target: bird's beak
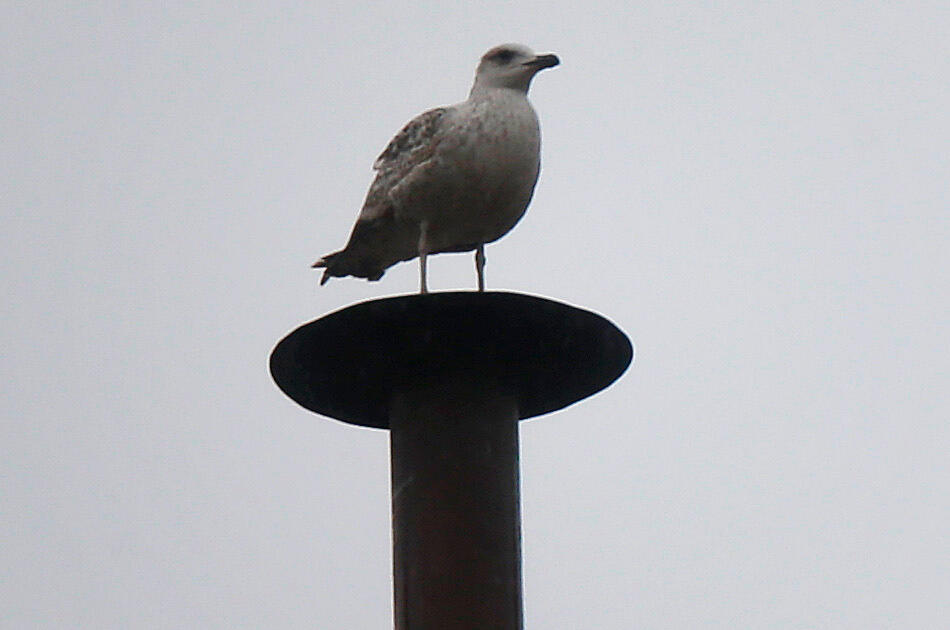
x=543, y=61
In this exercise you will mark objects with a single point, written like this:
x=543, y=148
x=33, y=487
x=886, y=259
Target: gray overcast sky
x=755, y=192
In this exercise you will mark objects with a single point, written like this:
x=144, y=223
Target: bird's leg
x=480, y=266
x=423, y=252
x=422, y=273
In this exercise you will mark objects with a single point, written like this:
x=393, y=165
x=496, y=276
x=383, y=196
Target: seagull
x=454, y=178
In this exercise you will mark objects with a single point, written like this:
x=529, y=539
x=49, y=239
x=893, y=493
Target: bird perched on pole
x=454, y=178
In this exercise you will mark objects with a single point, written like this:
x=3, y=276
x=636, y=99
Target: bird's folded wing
x=413, y=145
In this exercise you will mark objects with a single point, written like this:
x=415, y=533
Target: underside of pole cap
x=348, y=364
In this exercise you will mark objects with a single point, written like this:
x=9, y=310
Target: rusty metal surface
x=456, y=508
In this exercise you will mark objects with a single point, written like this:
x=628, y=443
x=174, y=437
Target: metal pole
x=456, y=507
x=450, y=374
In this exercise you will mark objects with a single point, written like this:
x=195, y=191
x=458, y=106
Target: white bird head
x=511, y=66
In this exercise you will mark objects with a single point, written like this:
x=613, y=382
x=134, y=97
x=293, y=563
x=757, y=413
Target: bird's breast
x=500, y=140
x=480, y=178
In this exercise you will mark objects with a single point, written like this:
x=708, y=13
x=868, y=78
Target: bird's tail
x=342, y=263
x=325, y=263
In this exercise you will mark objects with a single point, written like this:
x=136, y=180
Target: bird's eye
x=504, y=56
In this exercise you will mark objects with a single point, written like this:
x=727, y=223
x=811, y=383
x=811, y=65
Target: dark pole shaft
x=456, y=508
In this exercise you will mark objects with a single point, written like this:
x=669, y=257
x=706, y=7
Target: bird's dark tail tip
x=324, y=263
x=342, y=263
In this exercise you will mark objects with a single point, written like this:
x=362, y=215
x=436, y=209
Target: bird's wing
x=378, y=239
x=414, y=144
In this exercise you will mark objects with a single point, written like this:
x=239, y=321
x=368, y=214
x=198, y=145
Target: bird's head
x=511, y=66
